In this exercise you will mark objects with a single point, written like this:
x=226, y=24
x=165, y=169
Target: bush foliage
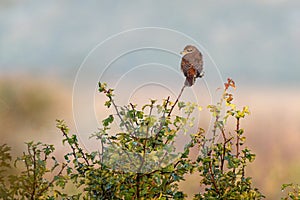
x=139, y=159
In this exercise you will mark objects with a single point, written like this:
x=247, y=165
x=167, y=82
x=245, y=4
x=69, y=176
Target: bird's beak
x=183, y=53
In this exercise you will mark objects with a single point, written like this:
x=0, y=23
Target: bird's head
x=188, y=49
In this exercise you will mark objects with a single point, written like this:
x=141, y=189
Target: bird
x=191, y=64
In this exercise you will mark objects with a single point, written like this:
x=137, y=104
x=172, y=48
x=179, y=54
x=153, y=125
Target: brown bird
x=191, y=64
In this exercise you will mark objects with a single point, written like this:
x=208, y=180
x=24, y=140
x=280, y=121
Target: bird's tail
x=190, y=78
x=189, y=81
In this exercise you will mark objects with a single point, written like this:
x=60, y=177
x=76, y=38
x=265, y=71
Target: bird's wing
x=185, y=65
x=199, y=65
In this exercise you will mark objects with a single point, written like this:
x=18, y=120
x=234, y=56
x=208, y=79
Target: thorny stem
x=237, y=137
x=124, y=150
x=73, y=148
x=52, y=181
x=143, y=158
x=102, y=149
x=218, y=116
x=158, y=170
x=145, y=142
x=150, y=113
x=166, y=105
x=138, y=185
x=237, y=141
x=27, y=165
x=132, y=107
x=169, y=114
x=224, y=150
x=213, y=178
x=166, y=142
x=131, y=121
x=116, y=109
x=34, y=172
x=118, y=113
x=163, y=118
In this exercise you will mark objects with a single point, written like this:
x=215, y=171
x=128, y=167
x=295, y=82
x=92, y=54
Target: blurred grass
x=28, y=109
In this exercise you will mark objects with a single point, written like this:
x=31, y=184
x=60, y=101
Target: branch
x=132, y=107
x=237, y=142
x=145, y=141
x=213, y=178
x=150, y=113
x=73, y=148
x=52, y=181
x=138, y=186
x=126, y=152
x=181, y=91
x=34, y=172
x=118, y=113
x=224, y=149
x=169, y=114
x=237, y=137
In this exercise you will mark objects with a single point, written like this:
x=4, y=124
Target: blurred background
x=53, y=53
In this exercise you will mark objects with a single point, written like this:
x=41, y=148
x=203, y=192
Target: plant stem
x=73, y=148
x=52, y=181
x=213, y=178
x=181, y=91
x=169, y=114
x=237, y=137
x=138, y=186
x=224, y=150
x=118, y=113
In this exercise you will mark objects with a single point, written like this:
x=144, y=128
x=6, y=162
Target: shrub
x=31, y=182
x=139, y=160
x=222, y=163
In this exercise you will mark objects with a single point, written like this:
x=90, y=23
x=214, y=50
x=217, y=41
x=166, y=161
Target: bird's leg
x=201, y=74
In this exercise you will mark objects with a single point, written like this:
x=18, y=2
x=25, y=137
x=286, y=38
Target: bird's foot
x=201, y=74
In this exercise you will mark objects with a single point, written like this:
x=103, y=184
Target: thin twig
x=166, y=105
x=26, y=165
x=134, y=116
x=218, y=115
x=34, y=173
x=52, y=181
x=170, y=112
x=118, y=113
x=237, y=142
x=213, y=178
x=237, y=137
x=102, y=150
x=224, y=149
x=129, y=119
x=145, y=142
x=167, y=140
x=150, y=113
x=126, y=152
x=138, y=186
x=181, y=91
x=73, y=148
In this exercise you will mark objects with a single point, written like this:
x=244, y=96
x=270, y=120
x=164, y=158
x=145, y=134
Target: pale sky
x=251, y=41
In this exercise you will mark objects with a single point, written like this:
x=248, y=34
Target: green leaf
x=102, y=87
x=140, y=114
x=108, y=120
x=107, y=103
x=181, y=105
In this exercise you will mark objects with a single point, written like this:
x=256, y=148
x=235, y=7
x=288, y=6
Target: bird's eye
x=189, y=50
